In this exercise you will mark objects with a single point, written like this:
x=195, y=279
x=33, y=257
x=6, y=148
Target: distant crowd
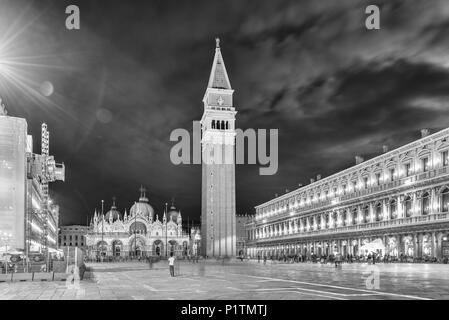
x=349, y=258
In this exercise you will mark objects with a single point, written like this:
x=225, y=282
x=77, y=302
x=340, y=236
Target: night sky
x=136, y=70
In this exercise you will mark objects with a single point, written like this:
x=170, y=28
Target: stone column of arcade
x=415, y=244
x=433, y=244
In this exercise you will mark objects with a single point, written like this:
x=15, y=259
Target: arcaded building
x=398, y=200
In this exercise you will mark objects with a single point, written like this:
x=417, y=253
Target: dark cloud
x=137, y=70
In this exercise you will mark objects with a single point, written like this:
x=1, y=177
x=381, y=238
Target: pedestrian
x=264, y=259
x=171, y=263
x=258, y=258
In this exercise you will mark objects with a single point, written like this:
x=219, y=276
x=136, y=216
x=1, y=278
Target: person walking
x=258, y=258
x=264, y=259
x=171, y=264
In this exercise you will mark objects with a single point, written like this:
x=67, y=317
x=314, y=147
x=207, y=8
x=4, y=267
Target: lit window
x=407, y=169
x=445, y=200
x=425, y=204
x=408, y=206
x=366, y=214
x=393, y=210
x=391, y=174
x=354, y=216
x=377, y=178
x=379, y=212
x=425, y=164
x=444, y=155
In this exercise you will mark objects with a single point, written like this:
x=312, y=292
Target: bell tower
x=218, y=234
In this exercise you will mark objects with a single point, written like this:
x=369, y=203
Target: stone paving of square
x=247, y=280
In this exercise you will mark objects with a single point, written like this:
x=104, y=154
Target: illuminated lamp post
x=166, y=235
x=102, y=229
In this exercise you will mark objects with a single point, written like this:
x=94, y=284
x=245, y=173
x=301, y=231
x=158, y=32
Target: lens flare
x=24, y=77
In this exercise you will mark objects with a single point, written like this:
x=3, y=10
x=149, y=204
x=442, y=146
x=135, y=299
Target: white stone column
x=415, y=205
x=433, y=201
x=371, y=212
x=400, y=206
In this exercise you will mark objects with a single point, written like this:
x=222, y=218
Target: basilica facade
x=139, y=233
x=396, y=204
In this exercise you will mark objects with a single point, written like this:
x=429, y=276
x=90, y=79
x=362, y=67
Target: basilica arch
x=117, y=248
x=158, y=248
x=137, y=246
x=102, y=248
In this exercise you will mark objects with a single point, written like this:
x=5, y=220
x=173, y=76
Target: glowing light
x=335, y=201
x=46, y=88
x=21, y=73
x=52, y=226
x=35, y=203
x=36, y=227
x=51, y=239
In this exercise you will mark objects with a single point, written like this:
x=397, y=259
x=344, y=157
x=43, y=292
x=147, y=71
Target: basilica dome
x=112, y=213
x=173, y=213
x=142, y=207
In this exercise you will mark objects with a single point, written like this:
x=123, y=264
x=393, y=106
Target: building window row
x=404, y=206
x=363, y=180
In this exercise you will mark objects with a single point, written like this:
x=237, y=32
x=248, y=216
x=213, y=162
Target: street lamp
x=102, y=229
x=166, y=236
x=135, y=235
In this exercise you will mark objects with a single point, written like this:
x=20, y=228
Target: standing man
x=171, y=264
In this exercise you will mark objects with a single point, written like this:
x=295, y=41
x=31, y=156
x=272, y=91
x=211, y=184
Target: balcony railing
x=417, y=220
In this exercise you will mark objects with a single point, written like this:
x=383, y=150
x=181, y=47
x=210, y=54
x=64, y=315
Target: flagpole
x=135, y=235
